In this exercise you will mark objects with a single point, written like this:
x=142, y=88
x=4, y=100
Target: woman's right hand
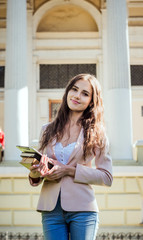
x=34, y=171
x=41, y=169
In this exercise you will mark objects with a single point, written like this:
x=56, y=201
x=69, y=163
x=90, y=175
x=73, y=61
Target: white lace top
x=63, y=153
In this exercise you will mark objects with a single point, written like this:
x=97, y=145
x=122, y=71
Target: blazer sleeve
x=33, y=183
x=100, y=175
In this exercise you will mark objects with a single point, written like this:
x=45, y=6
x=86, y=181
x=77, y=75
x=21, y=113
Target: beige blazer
x=77, y=193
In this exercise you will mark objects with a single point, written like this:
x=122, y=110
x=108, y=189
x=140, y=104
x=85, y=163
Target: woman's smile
x=74, y=101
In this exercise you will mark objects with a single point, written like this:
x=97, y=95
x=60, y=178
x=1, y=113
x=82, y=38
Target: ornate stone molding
x=93, y=11
x=30, y=4
x=101, y=236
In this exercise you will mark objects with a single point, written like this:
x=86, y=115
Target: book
x=31, y=156
x=25, y=149
x=28, y=162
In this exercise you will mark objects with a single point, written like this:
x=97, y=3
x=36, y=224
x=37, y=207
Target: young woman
x=72, y=142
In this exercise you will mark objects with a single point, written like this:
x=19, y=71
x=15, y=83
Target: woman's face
x=79, y=96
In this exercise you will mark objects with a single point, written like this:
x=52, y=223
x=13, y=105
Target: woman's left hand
x=58, y=171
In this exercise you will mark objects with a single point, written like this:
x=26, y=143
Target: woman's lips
x=74, y=101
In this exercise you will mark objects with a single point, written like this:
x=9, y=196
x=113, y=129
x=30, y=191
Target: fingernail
x=37, y=165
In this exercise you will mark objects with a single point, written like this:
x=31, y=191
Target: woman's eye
x=74, y=89
x=85, y=94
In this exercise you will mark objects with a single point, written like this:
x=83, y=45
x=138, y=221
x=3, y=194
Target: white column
x=31, y=79
x=16, y=90
x=105, y=64
x=119, y=86
x=99, y=69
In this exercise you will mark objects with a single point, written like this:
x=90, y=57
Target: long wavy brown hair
x=91, y=120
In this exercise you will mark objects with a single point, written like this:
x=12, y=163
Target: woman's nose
x=77, y=95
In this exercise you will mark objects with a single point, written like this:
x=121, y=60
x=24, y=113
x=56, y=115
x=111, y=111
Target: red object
x=2, y=138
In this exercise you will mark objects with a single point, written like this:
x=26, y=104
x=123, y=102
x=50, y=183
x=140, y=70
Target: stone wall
x=120, y=205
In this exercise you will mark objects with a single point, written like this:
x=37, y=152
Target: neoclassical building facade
x=43, y=43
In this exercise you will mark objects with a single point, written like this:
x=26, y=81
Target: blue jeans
x=60, y=224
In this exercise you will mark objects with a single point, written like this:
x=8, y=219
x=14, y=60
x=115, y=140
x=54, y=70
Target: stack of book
x=29, y=155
